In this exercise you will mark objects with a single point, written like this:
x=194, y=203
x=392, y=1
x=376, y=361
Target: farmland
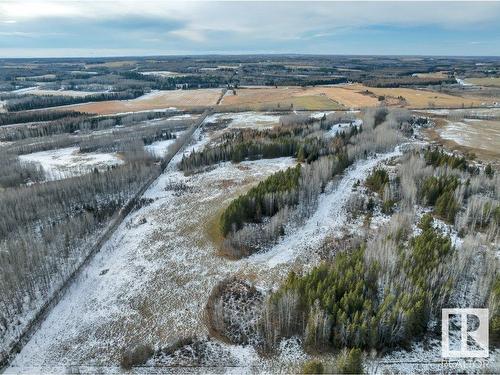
x=269, y=98
x=155, y=100
x=486, y=81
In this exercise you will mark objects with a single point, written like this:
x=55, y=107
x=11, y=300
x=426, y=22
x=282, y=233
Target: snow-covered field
x=150, y=282
x=247, y=119
x=164, y=73
x=160, y=148
x=38, y=90
x=69, y=162
x=261, y=120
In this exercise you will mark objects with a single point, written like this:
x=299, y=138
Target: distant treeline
x=407, y=81
x=33, y=116
x=170, y=83
x=45, y=101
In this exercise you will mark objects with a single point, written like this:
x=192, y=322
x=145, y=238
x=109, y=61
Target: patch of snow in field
x=461, y=82
x=185, y=116
x=69, y=162
x=319, y=115
x=247, y=119
x=462, y=133
x=159, y=148
x=439, y=112
x=61, y=92
x=163, y=73
x=24, y=90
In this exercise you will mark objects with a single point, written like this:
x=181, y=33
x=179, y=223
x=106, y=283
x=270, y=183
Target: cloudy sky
x=45, y=28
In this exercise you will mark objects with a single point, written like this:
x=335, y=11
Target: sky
x=74, y=28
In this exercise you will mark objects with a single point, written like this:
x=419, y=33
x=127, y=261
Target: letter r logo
x=478, y=334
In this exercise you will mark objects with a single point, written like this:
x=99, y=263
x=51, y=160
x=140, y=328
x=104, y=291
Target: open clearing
x=69, y=162
x=155, y=100
x=482, y=137
x=42, y=92
x=339, y=97
x=353, y=96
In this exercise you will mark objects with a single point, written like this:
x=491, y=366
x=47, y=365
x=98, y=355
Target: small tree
x=488, y=171
x=350, y=362
x=313, y=367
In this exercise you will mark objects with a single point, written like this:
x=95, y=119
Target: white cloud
x=210, y=24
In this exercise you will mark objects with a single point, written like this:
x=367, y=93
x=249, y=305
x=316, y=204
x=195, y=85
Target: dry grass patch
x=481, y=137
x=158, y=100
x=424, y=98
x=486, y=81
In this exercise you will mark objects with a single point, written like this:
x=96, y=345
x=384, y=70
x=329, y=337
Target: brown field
x=300, y=98
x=487, y=81
x=347, y=96
x=350, y=96
x=481, y=137
x=426, y=99
x=158, y=100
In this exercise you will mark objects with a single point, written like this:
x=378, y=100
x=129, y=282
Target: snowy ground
x=159, y=148
x=151, y=281
x=69, y=162
x=247, y=119
x=262, y=120
x=39, y=90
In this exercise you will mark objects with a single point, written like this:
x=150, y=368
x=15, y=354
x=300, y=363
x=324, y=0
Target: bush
x=137, y=356
x=440, y=192
x=438, y=158
x=350, y=362
x=377, y=180
x=313, y=367
x=488, y=171
x=388, y=207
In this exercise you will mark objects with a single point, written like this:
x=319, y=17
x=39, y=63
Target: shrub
x=488, y=171
x=313, y=367
x=440, y=192
x=388, y=207
x=377, y=180
x=350, y=362
x=438, y=158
